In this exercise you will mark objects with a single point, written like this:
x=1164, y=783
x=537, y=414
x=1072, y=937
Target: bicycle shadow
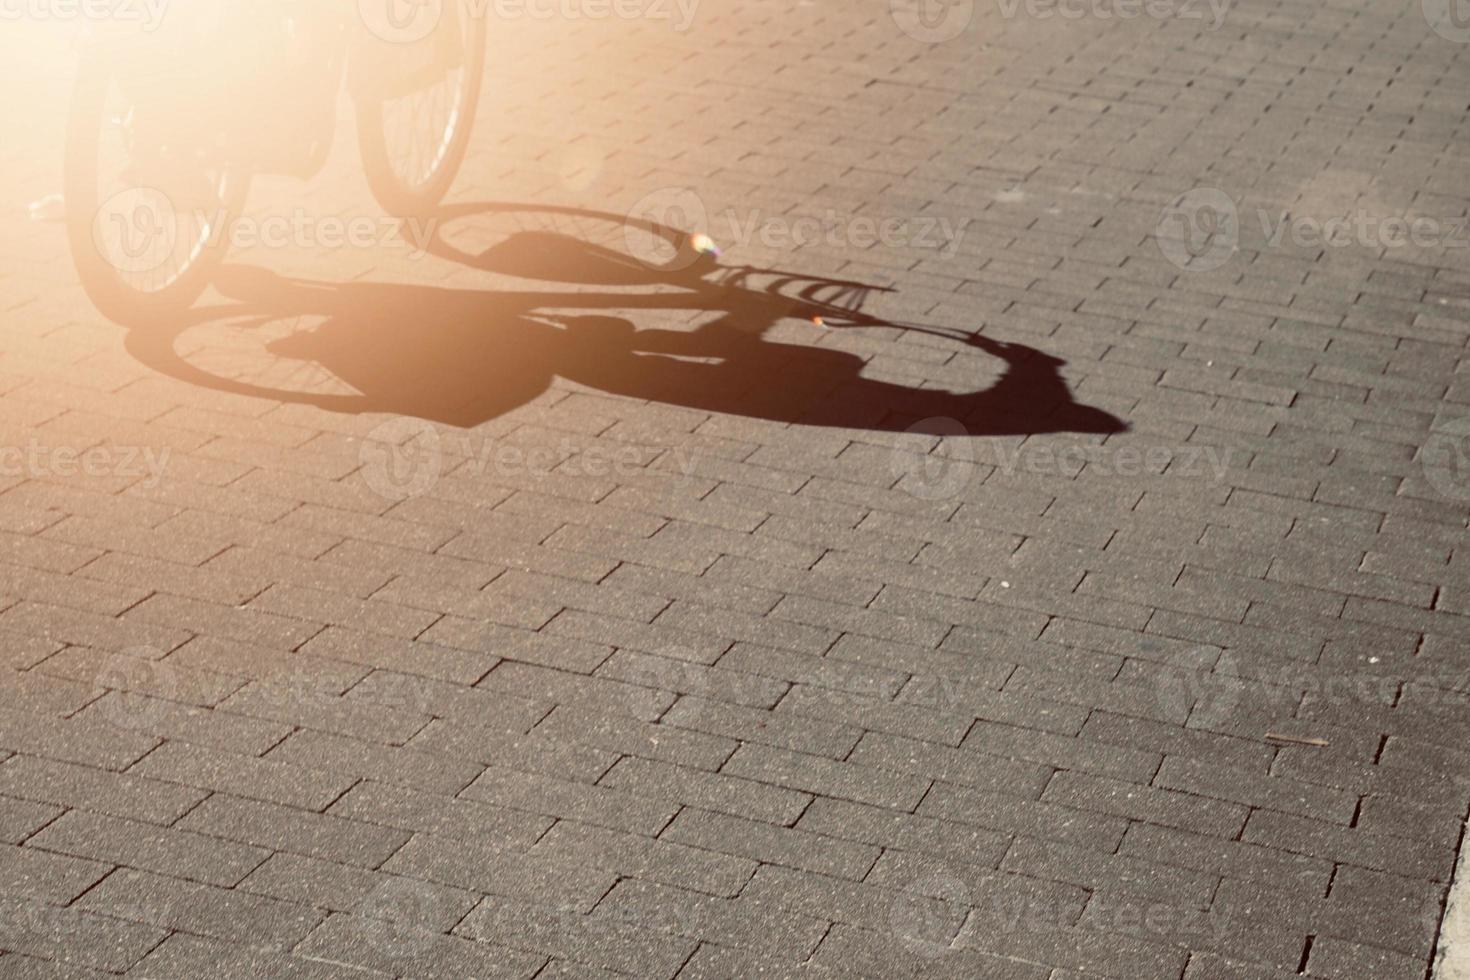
x=467, y=356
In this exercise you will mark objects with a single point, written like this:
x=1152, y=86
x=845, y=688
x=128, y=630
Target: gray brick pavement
x=690, y=646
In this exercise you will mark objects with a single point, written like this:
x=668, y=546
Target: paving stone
x=652, y=860
x=612, y=808
x=709, y=791
x=830, y=779
x=904, y=832
x=1303, y=799
x=814, y=736
x=21, y=818
x=744, y=921
x=30, y=968
x=266, y=779
x=200, y=909
x=531, y=753
x=946, y=726
x=882, y=953
x=173, y=852
x=1298, y=872
x=615, y=731
x=492, y=869
x=181, y=723
x=350, y=759
x=1005, y=813
x=39, y=876
x=398, y=806
x=1106, y=872
x=366, y=943
x=711, y=961
x=1319, y=839
x=1146, y=804
x=604, y=942
x=282, y=828
x=146, y=799
x=1061, y=752
x=792, y=848
x=76, y=939
x=991, y=773
x=308, y=881
x=1337, y=957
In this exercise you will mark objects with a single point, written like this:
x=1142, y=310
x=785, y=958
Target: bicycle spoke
x=419, y=128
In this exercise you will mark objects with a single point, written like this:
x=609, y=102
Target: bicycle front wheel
x=414, y=137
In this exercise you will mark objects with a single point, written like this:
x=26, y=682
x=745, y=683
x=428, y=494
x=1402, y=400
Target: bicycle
x=168, y=129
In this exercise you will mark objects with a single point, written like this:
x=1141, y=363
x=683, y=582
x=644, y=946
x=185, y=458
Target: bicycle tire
x=396, y=195
x=105, y=284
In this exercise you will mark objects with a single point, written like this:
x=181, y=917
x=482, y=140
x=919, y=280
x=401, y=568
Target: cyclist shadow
x=467, y=356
